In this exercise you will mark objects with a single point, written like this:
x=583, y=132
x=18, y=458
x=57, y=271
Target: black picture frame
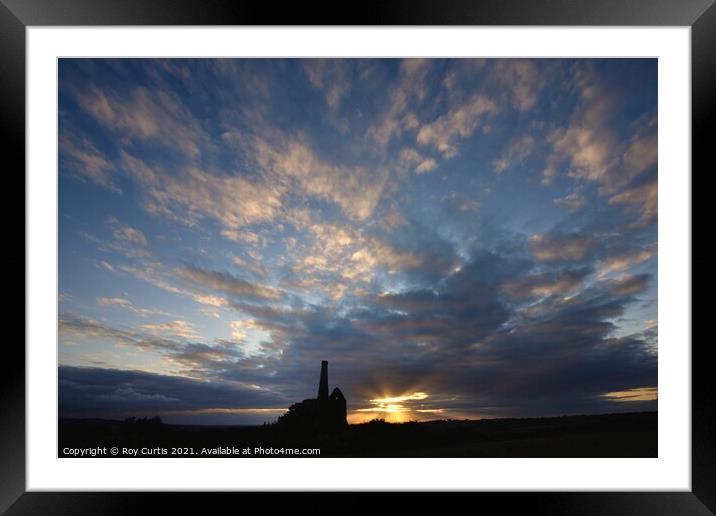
x=17, y=15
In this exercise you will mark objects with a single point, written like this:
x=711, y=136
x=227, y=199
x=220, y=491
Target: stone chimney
x=323, y=386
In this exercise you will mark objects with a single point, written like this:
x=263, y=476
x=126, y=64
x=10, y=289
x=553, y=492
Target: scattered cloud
x=146, y=114
x=332, y=76
x=516, y=153
x=225, y=283
x=124, y=234
x=571, y=201
x=629, y=285
x=460, y=122
x=193, y=194
x=645, y=198
x=545, y=284
x=561, y=247
x=126, y=304
x=411, y=86
x=523, y=80
x=411, y=158
x=355, y=189
x=622, y=260
x=176, y=328
x=374, y=213
x=591, y=146
x=642, y=151
x=87, y=162
x=240, y=328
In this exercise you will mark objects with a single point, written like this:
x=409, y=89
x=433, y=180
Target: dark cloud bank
x=497, y=337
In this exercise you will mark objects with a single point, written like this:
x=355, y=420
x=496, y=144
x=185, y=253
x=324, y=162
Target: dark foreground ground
x=608, y=435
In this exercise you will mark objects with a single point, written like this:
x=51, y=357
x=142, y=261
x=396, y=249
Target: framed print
x=375, y=255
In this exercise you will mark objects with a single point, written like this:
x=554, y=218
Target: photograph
x=357, y=257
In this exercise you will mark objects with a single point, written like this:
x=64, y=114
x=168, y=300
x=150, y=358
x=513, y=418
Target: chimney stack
x=323, y=386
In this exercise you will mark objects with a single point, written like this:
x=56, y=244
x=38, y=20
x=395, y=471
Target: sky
x=459, y=238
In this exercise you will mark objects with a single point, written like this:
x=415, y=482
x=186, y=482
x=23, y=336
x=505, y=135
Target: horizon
x=459, y=238
x=376, y=420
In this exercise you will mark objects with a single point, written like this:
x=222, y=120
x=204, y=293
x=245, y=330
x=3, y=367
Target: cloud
x=154, y=274
x=633, y=159
x=197, y=281
x=247, y=237
x=355, y=189
x=251, y=265
x=377, y=253
x=237, y=75
x=468, y=205
x=210, y=300
x=463, y=309
x=459, y=123
x=426, y=166
x=124, y=234
x=240, y=328
x=642, y=152
x=397, y=408
x=86, y=162
x=350, y=254
x=586, y=144
x=571, y=202
x=107, y=266
x=517, y=151
x=545, y=284
x=209, y=312
x=114, y=301
x=226, y=283
x=629, y=285
x=561, y=247
x=125, y=240
x=177, y=328
x=411, y=158
x=287, y=167
x=194, y=359
x=233, y=200
x=75, y=325
x=621, y=260
x=522, y=78
x=331, y=76
x=633, y=395
x=462, y=342
x=411, y=86
x=297, y=243
x=461, y=70
x=146, y=114
x=126, y=304
x=644, y=198
x=117, y=394
x=591, y=146
x=562, y=357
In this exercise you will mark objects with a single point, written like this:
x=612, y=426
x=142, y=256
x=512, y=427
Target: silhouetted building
x=324, y=414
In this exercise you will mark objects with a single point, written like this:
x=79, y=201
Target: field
x=606, y=435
